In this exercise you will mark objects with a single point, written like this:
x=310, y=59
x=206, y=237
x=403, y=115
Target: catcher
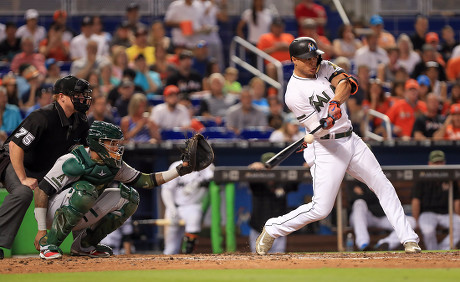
x=73, y=196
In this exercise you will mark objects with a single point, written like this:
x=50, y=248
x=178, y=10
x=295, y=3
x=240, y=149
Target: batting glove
x=334, y=110
x=327, y=123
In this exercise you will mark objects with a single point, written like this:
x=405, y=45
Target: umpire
x=34, y=146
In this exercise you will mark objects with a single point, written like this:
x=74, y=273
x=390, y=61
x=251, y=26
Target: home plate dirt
x=234, y=261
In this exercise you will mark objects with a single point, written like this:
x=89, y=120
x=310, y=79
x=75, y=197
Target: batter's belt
x=338, y=135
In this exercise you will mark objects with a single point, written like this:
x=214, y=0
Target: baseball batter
x=316, y=94
x=183, y=197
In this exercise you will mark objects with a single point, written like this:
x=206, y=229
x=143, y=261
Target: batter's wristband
x=40, y=216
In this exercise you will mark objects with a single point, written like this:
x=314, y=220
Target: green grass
x=253, y=275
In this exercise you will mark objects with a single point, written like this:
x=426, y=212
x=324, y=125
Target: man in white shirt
x=371, y=55
x=79, y=42
x=31, y=28
x=170, y=114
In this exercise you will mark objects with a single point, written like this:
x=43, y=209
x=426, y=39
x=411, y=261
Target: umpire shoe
x=264, y=243
x=1, y=254
x=412, y=248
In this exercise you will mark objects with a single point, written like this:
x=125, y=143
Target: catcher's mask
x=305, y=48
x=105, y=139
x=79, y=91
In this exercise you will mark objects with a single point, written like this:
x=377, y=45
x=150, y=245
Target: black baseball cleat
x=1, y=254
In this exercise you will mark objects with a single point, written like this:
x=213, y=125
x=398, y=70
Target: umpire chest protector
x=82, y=165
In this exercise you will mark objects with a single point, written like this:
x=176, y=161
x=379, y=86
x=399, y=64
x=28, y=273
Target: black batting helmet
x=304, y=48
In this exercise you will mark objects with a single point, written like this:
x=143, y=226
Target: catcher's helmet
x=73, y=87
x=304, y=48
x=99, y=133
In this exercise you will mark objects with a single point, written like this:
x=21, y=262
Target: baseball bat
x=159, y=222
x=286, y=152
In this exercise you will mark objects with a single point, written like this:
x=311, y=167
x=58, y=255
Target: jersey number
x=28, y=137
x=320, y=101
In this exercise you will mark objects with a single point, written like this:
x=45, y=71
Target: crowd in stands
x=150, y=83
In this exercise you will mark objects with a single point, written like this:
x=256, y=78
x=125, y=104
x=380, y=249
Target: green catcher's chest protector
x=97, y=174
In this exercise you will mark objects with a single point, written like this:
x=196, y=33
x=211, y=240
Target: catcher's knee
x=133, y=198
x=84, y=196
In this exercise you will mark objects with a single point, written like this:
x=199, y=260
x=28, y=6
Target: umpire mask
x=77, y=89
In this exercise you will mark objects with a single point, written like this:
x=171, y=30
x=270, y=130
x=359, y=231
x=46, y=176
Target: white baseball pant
x=428, y=221
x=329, y=159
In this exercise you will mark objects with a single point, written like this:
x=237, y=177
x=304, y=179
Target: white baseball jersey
x=308, y=98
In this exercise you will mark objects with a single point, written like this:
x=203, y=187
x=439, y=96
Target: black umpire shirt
x=434, y=195
x=45, y=135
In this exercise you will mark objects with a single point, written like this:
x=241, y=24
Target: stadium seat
x=218, y=132
x=175, y=134
x=256, y=132
x=207, y=121
x=155, y=100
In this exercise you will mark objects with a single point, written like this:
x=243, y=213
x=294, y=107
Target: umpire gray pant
x=14, y=207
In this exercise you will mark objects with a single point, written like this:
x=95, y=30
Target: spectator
x=211, y=67
x=133, y=18
x=453, y=69
x=11, y=45
x=170, y=114
x=78, y=43
x=54, y=46
x=211, y=12
x=269, y=199
x=31, y=29
x=455, y=93
x=137, y=126
x=28, y=84
x=53, y=69
x=438, y=87
x=450, y=130
x=408, y=58
x=289, y=131
x=449, y=42
x=140, y=47
x=106, y=80
x=216, y=105
x=28, y=56
x=276, y=44
x=258, y=93
x=427, y=124
x=158, y=36
x=432, y=38
x=377, y=100
x=60, y=18
x=10, y=116
x=187, y=79
x=257, y=20
x=149, y=80
x=184, y=17
x=244, y=114
x=44, y=97
x=309, y=9
x=119, y=61
x=309, y=29
x=128, y=75
x=201, y=58
x=387, y=72
x=121, y=37
x=404, y=112
x=425, y=86
x=347, y=43
x=81, y=68
x=98, y=28
x=276, y=115
x=421, y=28
x=428, y=55
x=231, y=81
x=126, y=91
x=371, y=55
x=430, y=206
x=100, y=110
x=9, y=82
x=162, y=65
x=366, y=212
x=385, y=39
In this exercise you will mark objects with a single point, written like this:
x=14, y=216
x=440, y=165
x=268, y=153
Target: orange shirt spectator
x=452, y=133
x=450, y=130
x=58, y=53
x=453, y=69
x=269, y=43
x=404, y=112
x=309, y=9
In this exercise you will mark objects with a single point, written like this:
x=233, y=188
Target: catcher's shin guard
x=113, y=220
x=67, y=217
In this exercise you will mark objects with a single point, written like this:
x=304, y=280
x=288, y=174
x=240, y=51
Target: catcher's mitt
x=196, y=156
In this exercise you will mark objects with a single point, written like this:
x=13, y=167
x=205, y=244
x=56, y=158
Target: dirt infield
x=234, y=261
